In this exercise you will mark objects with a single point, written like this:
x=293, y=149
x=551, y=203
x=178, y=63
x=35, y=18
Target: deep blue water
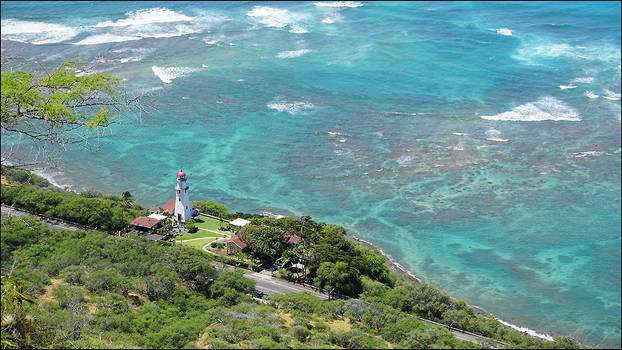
x=477, y=143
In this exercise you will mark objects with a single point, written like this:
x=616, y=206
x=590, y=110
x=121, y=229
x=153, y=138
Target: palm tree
x=128, y=200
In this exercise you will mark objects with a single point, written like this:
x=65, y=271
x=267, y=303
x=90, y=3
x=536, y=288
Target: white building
x=239, y=222
x=183, y=210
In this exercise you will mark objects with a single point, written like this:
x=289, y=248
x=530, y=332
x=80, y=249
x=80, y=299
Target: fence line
x=214, y=217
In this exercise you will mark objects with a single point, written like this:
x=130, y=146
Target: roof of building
x=181, y=173
x=239, y=222
x=154, y=210
x=237, y=241
x=146, y=222
x=293, y=238
x=157, y=216
x=169, y=206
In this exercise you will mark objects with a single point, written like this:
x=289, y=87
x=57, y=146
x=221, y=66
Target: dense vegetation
x=97, y=290
x=14, y=174
x=90, y=208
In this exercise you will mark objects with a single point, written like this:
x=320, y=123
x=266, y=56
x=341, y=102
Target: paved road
x=56, y=225
x=271, y=285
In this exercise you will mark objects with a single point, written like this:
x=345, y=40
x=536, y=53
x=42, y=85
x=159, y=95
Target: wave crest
x=167, y=74
x=291, y=54
x=36, y=33
x=146, y=16
x=546, y=108
x=290, y=107
x=338, y=4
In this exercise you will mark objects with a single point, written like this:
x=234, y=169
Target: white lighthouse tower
x=183, y=210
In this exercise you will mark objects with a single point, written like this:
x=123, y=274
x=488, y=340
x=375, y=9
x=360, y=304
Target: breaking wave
x=612, y=96
x=332, y=19
x=146, y=16
x=504, y=31
x=296, y=29
x=526, y=330
x=338, y=4
x=270, y=16
x=167, y=74
x=290, y=54
x=546, y=108
x=105, y=38
x=290, y=107
x=37, y=33
x=590, y=94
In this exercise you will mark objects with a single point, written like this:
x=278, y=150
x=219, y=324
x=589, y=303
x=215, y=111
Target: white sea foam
x=504, y=31
x=333, y=18
x=203, y=66
x=338, y=4
x=404, y=159
x=590, y=94
x=290, y=107
x=586, y=80
x=526, y=330
x=36, y=33
x=565, y=87
x=587, y=153
x=610, y=95
x=131, y=59
x=167, y=74
x=105, y=38
x=51, y=177
x=495, y=135
x=270, y=16
x=546, y=108
x=533, y=51
x=343, y=140
x=459, y=134
x=147, y=16
x=291, y=54
x=297, y=29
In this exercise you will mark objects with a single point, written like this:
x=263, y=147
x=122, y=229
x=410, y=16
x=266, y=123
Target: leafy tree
x=339, y=278
x=16, y=327
x=60, y=106
x=214, y=208
x=127, y=203
x=191, y=225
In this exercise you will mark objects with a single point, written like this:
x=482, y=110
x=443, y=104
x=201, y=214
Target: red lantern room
x=181, y=173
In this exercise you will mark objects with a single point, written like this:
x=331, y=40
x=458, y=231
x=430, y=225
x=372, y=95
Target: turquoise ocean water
x=477, y=143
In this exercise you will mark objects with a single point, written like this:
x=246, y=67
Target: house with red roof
x=144, y=223
x=235, y=243
x=293, y=238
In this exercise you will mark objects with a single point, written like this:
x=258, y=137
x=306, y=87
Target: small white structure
x=239, y=222
x=157, y=216
x=183, y=210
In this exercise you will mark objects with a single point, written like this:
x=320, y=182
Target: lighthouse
x=183, y=210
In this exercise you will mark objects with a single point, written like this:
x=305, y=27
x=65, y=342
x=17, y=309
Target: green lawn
x=199, y=243
x=210, y=224
x=200, y=234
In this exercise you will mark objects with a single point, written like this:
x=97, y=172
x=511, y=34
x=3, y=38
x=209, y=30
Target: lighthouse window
x=180, y=199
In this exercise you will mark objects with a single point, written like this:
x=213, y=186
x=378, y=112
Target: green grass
x=200, y=234
x=199, y=243
x=210, y=224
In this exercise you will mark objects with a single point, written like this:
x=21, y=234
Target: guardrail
x=462, y=331
x=214, y=217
